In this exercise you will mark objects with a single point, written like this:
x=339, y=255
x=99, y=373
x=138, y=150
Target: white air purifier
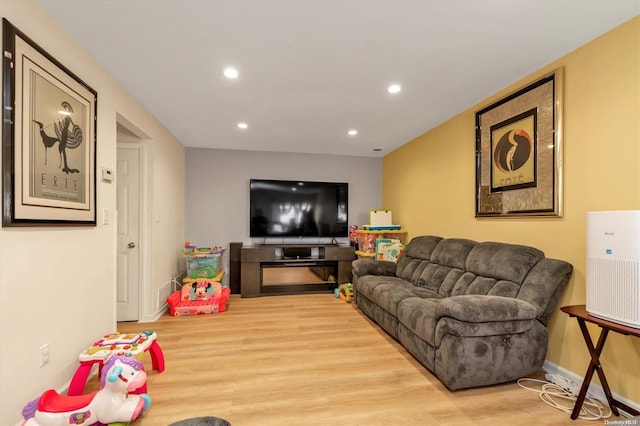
x=613, y=266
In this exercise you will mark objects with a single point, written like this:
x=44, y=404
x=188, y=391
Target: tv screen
x=282, y=208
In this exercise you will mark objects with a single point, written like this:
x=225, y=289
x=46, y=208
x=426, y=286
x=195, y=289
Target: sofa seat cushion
x=465, y=316
x=388, y=292
x=419, y=316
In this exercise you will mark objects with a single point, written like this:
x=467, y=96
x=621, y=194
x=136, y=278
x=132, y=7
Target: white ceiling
x=310, y=70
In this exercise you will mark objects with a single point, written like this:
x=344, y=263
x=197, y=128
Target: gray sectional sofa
x=473, y=313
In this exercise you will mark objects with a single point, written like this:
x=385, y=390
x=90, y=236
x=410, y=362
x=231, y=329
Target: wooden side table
x=579, y=312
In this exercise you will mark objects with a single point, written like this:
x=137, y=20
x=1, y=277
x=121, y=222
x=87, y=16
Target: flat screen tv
x=283, y=208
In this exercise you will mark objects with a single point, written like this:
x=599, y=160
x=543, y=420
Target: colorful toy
x=388, y=249
x=199, y=296
x=108, y=405
x=111, y=344
x=123, y=357
x=346, y=292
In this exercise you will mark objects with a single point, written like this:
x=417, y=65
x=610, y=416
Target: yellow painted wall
x=429, y=183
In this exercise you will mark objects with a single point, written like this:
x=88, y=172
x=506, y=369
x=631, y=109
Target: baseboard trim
x=594, y=388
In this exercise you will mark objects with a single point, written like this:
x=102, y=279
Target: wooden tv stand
x=255, y=259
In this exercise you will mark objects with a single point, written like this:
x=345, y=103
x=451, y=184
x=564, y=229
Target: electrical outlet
x=44, y=355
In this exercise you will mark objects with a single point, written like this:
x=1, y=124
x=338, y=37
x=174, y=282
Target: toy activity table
x=115, y=343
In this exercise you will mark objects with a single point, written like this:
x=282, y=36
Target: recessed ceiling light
x=394, y=88
x=231, y=72
x=242, y=125
x=353, y=132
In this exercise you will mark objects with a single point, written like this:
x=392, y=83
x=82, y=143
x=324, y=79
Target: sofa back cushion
x=502, y=261
x=445, y=267
x=415, y=254
x=453, y=266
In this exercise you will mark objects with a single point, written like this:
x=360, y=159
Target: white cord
x=550, y=394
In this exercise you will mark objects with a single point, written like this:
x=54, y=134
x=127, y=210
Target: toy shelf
x=367, y=239
x=364, y=255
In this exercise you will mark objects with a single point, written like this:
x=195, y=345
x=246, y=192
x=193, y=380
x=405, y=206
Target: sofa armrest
x=362, y=267
x=481, y=308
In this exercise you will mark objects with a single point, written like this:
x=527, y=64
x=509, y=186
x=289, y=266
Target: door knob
x=131, y=245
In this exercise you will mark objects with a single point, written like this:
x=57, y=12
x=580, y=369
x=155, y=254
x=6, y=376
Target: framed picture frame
x=48, y=139
x=519, y=152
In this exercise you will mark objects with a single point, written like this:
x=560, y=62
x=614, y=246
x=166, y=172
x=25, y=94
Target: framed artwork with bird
x=519, y=152
x=49, y=138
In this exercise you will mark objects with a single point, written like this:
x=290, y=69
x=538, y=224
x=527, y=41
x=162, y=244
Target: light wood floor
x=310, y=360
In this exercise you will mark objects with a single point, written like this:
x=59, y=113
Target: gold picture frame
x=519, y=152
x=49, y=139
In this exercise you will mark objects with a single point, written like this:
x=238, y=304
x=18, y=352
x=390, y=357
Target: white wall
x=57, y=284
x=218, y=188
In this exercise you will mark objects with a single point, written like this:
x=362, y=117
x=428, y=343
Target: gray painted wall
x=217, y=189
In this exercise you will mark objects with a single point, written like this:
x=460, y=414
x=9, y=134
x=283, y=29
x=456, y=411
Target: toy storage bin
x=203, y=264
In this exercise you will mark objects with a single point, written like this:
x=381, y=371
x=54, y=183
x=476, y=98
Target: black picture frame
x=519, y=152
x=48, y=138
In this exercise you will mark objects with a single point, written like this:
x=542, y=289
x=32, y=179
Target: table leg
x=600, y=371
x=594, y=365
x=157, y=357
x=79, y=379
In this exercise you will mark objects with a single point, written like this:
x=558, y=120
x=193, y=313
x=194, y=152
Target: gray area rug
x=202, y=421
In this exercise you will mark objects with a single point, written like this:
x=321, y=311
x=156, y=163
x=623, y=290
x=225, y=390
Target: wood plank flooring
x=312, y=360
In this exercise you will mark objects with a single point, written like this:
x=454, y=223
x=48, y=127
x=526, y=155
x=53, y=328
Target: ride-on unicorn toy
x=111, y=404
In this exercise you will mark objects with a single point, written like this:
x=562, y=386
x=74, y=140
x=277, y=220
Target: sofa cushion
x=445, y=256
x=473, y=315
x=421, y=247
x=415, y=253
x=418, y=316
x=439, y=278
x=388, y=292
x=409, y=269
x=452, y=252
x=510, y=262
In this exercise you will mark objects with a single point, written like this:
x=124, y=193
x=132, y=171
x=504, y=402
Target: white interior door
x=128, y=194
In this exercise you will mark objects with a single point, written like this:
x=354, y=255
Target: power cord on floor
x=554, y=395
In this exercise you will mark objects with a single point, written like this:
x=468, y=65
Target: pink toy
x=199, y=297
x=110, y=404
x=111, y=344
